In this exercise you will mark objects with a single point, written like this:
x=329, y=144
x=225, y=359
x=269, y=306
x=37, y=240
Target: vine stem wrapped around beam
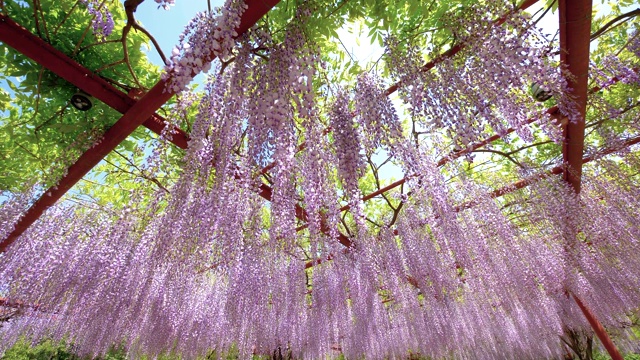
x=134, y=117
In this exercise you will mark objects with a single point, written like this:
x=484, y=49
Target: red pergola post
x=575, y=33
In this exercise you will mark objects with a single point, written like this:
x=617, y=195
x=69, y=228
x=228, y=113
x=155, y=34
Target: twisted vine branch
x=130, y=7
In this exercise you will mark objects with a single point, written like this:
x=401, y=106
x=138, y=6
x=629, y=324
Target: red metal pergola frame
x=32, y=46
x=575, y=23
x=135, y=112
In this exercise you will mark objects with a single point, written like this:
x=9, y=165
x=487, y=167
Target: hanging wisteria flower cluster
x=212, y=265
x=207, y=36
x=102, y=21
x=483, y=85
x=347, y=141
x=165, y=4
x=379, y=123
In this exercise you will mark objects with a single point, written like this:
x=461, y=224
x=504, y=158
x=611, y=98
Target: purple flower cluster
x=140, y=282
x=613, y=69
x=212, y=265
x=207, y=36
x=374, y=111
x=634, y=43
x=485, y=85
x=347, y=145
x=102, y=21
x=165, y=4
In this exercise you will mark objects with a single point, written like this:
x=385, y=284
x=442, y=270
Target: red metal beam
x=266, y=192
x=598, y=329
x=4, y=302
x=134, y=117
x=33, y=47
x=554, y=171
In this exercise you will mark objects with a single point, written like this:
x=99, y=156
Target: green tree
x=46, y=350
x=41, y=134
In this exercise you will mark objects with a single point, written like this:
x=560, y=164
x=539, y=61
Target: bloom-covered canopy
x=449, y=272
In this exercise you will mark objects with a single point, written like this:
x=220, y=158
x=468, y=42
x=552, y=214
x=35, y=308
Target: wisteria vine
x=102, y=21
x=211, y=265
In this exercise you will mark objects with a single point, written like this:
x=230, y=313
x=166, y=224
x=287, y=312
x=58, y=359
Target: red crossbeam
x=560, y=169
x=134, y=117
x=4, y=302
x=19, y=38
